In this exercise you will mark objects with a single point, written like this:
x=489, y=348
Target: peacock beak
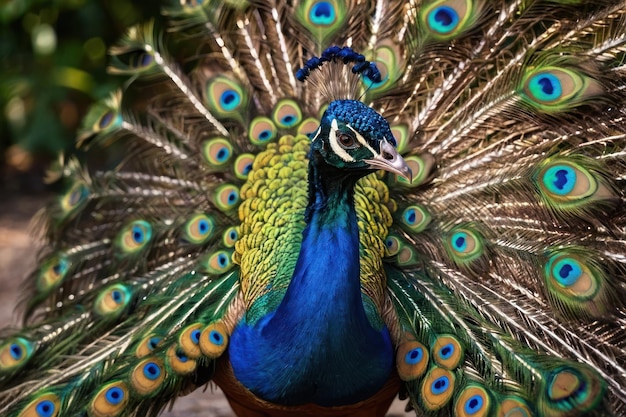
x=390, y=160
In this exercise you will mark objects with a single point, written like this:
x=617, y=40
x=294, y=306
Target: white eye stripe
x=362, y=140
x=334, y=144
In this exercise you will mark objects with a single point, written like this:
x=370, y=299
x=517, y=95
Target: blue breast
x=318, y=346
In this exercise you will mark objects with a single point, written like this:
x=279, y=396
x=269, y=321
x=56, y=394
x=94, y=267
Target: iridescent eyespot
x=447, y=19
x=447, y=351
x=110, y=401
x=308, y=126
x=199, y=229
x=388, y=61
x=109, y=119
x=226, y=197
x=134, y=237
x=74, y=198
x=147, y=376
x=217, y=263
x=513, y=406
x=52, y=273
x=141, y=60
x=178, y=362
x=416, y=218
x=225, y=97
x=189, y=339
x=322, y=18
x=287, y=114
x=553, y=89
x=464, y=245
x=262, y=130
x=401, y=134
x=474, y=401
x=322, y=13
x=147, y=345
x=566, y=183
x=214, y=340
x=407, y=256
x=575, y=386
x=392, y=244
x=243, y=165
x=217, y=152
x=14, y=353
x=43, y=405
x=112, y=301
x=230, y=236
x=411, y=360
x=437, y=388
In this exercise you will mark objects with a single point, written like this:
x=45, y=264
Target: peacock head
x=355, y=139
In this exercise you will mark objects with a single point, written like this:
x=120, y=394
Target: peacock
x=322, y=204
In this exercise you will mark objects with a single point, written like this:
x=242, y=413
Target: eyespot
x=74, y=198
x=464, y=245
x=14, y=353
x=474, y=401
x=575, y=386
x=308, y=126
x=576, y=285
x=217, y=263
x=392, y=244
x=262, y=130
x=388, y=61
x=401, y=135
x=43, y=405
x=178, y=362
x=214, y=340
x=225, y=97
x=147, y=377
x=199, y=229
x=554, y=89
x=287, y=114
x=108, y=120
x=226, y=197
x=447, y=19
x=416, y=218
x=110, y=401
x=514, y=407
x=437, y=388
x=147, y=345
x=217, y=152
x=189, y=340
x=112, y=301
x=52, y=273
x=447, y=351
x=230, y=236
x=134, y=237
x=411, y=360
x=563, y=181
x=406, y=256
x=243, y=165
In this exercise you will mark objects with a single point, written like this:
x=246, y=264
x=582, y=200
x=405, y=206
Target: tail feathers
x=479, y=356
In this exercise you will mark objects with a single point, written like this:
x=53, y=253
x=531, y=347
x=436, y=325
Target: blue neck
x=318, y=346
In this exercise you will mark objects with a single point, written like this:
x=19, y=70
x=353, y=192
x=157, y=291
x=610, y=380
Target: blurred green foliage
x=53, y=66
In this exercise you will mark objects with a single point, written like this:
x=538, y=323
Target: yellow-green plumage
x=261, y=230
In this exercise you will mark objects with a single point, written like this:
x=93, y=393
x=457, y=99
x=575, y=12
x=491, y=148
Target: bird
x=319, y=205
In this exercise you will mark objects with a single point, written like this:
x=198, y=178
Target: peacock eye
x=346, y=141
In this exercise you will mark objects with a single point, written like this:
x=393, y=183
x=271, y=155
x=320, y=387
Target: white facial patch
x=334, y=144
